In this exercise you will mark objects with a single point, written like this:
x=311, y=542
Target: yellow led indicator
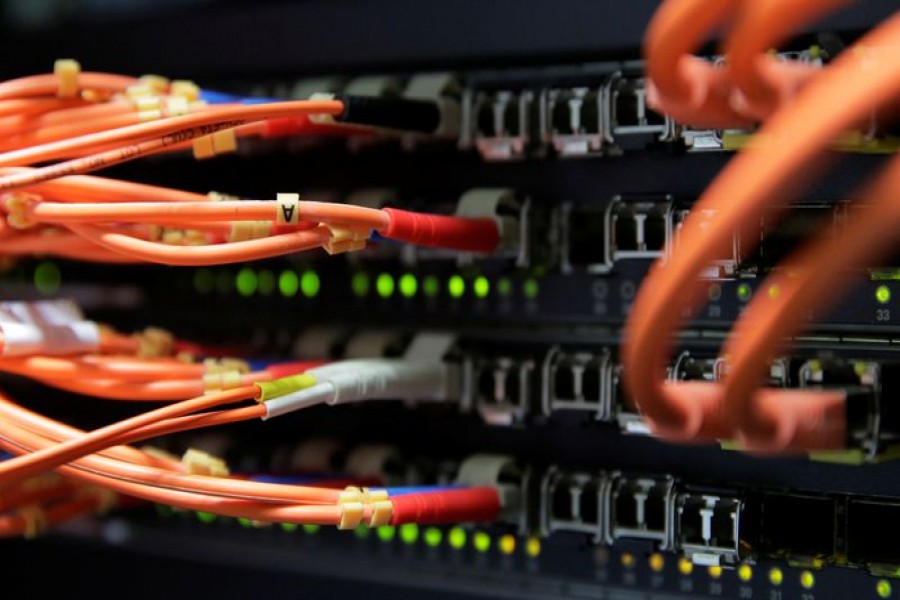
x=481, y=286
x=360, y=284
x=533, y=547
x=432, y=537
x=385, y=285
x=310, y=284
x=883, y=588
x=685, y=566
x=409, y=285
x=265, y=282
x=776, y=576
x=774, y=291
x=745, y=573
x=744, y=292
x=288, y=284
x=715, y=571
x=627, y=559
x=481, y=541
x=807, y=580
x=657, y=562
x=456, y=286
x=883, y=294
x=386, y=533
x=409, y=533
x=311, y=529
x=507, y=544
x=204, y=281
x=246, y=282
x=457, y=538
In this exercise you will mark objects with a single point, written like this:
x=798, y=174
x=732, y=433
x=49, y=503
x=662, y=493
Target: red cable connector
x=439, y=231
x=470, y=505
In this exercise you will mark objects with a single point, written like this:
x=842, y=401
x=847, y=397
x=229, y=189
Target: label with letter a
x=288, y=212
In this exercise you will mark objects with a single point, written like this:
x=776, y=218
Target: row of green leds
x=248, y=282
x=409, y=533
x=408, y=285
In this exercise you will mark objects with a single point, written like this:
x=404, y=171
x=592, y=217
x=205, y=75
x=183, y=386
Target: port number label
x=715, y=588
x=882, y=314
x=745, y=592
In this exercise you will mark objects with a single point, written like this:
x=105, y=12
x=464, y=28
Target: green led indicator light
x=386, y=533
x=481, y=541
x=883, y=294
x=311, y=529
x=409, y=285
x=432, y=537
x=204, y=281
x=409, y=533
x=164, y=510
x=206, y=517
x=310, y=284
x=265, y=282
x=288, y=284
x=504, y=287
x=744, y=292
x=431, y=286
x=457, y=538
x=224, y=282
x=246, y=282
x=289, y=527
x=481, y=287
x=883, y=588
x=530, y=288
x=361, y=532
x=360, y=285
x=456, y=286
x=47, y=277
x=245, y=522
x=385, y=285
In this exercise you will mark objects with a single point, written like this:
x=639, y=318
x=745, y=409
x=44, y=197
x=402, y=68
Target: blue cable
x=213, y=97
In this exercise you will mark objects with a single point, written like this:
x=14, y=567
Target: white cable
x=376, y=379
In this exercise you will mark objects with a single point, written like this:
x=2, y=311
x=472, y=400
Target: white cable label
x=46, y=327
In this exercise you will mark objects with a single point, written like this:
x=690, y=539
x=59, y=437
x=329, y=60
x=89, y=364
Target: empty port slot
x=870, y=536
x=592, y=382
x=487, y=384
x=566, y=377
x=778, y=239
x=637, y=229
x=584, y=238
x=502, y=122
x=640, y=509
x=562, y=501
x=572, y=121
x=798, y=525
x=707, y=526
x=590, y=502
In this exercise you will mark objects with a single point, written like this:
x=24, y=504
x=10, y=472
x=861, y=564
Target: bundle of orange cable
x=805, y=110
